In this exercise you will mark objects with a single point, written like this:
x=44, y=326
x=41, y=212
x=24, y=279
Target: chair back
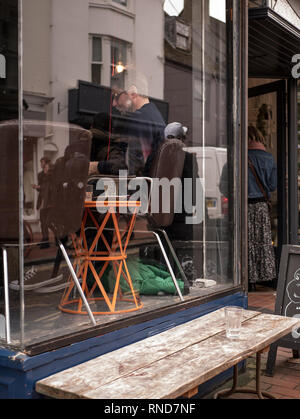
x=168, y=165
x=69, y=179
x=66, y=193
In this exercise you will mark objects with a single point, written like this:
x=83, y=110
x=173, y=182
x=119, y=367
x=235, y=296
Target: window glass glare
x=217, y=9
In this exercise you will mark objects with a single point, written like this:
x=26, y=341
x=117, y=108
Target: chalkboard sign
x=287, y=300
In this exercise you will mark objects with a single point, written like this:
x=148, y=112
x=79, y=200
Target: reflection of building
x=90, y=48
x=81, y=40
x=201, y=71
x=184, y=80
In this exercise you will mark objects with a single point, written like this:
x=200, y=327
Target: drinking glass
x=233, y=320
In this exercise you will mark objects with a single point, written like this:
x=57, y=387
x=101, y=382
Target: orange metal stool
x=114, y=254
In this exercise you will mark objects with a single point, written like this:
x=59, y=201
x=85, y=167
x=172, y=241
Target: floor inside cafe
x=43, y=319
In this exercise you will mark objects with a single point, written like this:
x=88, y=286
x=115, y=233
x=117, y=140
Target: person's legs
x=44, y=227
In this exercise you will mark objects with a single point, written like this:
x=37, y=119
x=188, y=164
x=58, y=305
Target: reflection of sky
x=173, y=7
x=217, y=9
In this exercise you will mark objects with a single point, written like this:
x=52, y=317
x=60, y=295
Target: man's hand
x=93, y=168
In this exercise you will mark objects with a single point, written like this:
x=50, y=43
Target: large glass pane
x=156, y=124
x=9, y=156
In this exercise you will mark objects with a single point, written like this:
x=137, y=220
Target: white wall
x=36, y=35
x=149, y=44
x=69, y=51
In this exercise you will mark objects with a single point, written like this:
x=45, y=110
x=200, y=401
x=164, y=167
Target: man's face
x=43, y=163
x=124, y=103
x=133, y=97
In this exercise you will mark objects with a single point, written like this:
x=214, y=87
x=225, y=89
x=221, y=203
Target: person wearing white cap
x=175, y=130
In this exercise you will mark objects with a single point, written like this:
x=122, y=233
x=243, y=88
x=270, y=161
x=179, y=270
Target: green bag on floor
x=146, y=279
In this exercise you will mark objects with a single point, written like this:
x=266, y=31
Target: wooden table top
x=171, y=363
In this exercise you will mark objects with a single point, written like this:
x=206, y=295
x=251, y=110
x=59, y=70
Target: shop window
x=96, y=65
x=118, y=64
x=132, y=83
x=110, y=71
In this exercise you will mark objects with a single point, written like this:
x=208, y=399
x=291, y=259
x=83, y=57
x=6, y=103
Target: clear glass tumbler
x=233, y=320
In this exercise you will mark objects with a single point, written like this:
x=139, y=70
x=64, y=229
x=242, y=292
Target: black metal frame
x=244, y=390
x=293, y=200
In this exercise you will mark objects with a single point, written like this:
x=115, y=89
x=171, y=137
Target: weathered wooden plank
x=169, y=364
x=76, y=381
x=180, y=372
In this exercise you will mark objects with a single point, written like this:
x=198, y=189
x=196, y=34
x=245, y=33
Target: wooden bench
x=170, y=364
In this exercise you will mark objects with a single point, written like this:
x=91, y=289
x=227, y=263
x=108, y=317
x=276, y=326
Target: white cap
x=175, y=130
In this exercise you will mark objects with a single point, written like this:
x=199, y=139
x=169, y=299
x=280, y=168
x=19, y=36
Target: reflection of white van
x=211, y=161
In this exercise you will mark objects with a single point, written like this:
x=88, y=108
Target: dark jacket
x=45, y=191
x=146, y=128
x=110, y=152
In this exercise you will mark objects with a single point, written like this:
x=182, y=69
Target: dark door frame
x=293, y=161
x=279, y=87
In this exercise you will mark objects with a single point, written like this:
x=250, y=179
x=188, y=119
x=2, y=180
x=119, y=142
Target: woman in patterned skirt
x=262, y=179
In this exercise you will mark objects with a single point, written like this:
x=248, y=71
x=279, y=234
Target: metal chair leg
x=77, y=283
x=168, y=264
x=6, y=295
x=185, y=280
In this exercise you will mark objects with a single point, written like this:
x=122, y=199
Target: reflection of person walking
x=44, y=199
x=262, y=179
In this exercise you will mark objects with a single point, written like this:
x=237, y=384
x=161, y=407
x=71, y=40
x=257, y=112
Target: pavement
x=285, y=383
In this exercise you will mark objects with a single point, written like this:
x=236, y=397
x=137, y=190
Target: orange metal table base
x=115, y=254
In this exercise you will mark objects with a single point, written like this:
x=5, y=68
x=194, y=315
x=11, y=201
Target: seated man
x=145, y=128
x=109, y=146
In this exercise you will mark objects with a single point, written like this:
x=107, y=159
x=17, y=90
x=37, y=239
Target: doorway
x=267, y=112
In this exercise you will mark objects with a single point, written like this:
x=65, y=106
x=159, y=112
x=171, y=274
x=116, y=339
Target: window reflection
x=140, y=80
